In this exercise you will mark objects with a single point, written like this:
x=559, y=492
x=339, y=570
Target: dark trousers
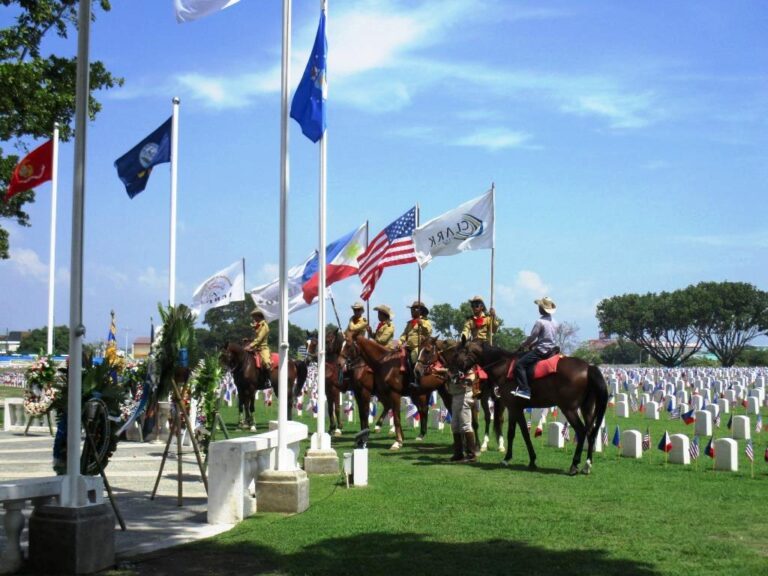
x=521, y=368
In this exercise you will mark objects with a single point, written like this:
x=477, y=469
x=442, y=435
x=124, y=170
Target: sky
x=627, y=142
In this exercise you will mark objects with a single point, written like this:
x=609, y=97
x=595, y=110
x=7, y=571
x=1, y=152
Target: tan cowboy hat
x=383, y=308
x=419, y=304
x=358, y=306
x=477, y=299
x=257, y=313
x=546, y=304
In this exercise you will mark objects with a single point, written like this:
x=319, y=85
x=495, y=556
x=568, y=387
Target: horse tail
x=598, y=391
x=301, y=377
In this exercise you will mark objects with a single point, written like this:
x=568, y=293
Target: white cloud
x=758, y=239
x=527, y=285
x=494, y=139
x=154, y=280
x=27, y=263
x=623, y=110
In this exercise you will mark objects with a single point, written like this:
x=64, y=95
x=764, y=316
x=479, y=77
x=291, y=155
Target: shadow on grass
x=386, y=554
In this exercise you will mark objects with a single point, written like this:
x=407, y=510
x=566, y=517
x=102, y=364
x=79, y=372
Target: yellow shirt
x=357, y=326
x=259, y=341
x=478, y=327
x=384, y=334
x=416, y=332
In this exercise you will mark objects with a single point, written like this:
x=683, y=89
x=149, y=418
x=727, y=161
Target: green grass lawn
x=421, y=515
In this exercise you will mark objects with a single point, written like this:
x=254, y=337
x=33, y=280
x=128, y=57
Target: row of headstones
x=753, y=401
x=730, y=391
x=732, y=378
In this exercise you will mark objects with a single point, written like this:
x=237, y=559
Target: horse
x=574, y=386
x=335, y=383
x=249, y=378
x=391, y=383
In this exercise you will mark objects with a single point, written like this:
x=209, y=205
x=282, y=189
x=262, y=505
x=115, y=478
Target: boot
x=476, y=388
x=469, y=438
x=458, y=450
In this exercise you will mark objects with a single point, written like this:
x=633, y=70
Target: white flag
x=468, y=227
x=188, y=10
x=267, y=297
x=225, y=286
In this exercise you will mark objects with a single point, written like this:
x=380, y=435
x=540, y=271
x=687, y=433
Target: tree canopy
x=37, y=90
x=37, y=340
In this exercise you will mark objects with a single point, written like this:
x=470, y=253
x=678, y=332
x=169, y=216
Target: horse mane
x=373, y=353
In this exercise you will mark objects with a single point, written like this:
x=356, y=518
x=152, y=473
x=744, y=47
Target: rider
x=541, y=343
x=478, y=328
x=416, y=333
x=260, y=345
x=385, y=330
x=357, y=323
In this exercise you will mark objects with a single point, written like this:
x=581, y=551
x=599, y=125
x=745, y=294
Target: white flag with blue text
x=188, y=10
x=468, y=227
x=225, y=286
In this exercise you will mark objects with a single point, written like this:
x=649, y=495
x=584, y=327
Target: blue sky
x=627, y=143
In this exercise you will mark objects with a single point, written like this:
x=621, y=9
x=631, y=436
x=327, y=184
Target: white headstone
x=652, y=410
x=726, y=454
x=555, y=435
x=599, y=439
x=680, y=449
x=730, y=395
x=759, y=393
x=621, y=397
x=713, y=409
x=645, y=398
x=631, y=444
x=725, y=406
x=622, y=410
x=740, y=428
x=703, y=425
x=753, y=405
x=682, y=397
x=697, y=401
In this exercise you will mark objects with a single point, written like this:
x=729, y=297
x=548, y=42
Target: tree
x=37, y=340
x=661, y=324
x=37, y=90
x=447, y=321
x=565, y=336
x=622, y=352
x=728, y=315
x=509, y=338
x=752, y=356
x=587, y=354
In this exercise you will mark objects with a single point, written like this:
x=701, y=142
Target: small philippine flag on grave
x=689, y=417
x=666, y=443
x=730, y=422
x=710, y=449
x=617, y=437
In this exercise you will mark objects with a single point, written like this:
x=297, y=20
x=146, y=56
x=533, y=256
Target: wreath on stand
x=102, y=396
x=40, y=391
x=204, y=385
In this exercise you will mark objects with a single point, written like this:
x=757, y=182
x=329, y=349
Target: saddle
x=273, y=356
x=542, y=368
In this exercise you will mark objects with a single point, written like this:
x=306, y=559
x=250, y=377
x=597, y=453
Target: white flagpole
x=493, y=254
x=52, y=261
x=174, y=186
x=70, y=496
x=285, y=461
x=321, y=440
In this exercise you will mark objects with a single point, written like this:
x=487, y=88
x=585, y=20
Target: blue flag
x=308, y=106
x=134, y=166
x=617, y=437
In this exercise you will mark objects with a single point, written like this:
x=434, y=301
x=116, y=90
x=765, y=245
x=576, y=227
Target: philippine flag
x=689, y=417
x=666, y=443
x=341, y=262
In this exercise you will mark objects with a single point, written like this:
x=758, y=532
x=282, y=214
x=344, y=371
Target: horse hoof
x=502, y=448
x=252, y=428
x=337, y=433
x=532, y=466
x=377, y=429
x=505, y=463
x=391, y=431
x=396, y=446
x=419, y=438
x=587, y=468
x=573, y=471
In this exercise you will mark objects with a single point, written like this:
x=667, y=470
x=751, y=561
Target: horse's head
x=228, y=355
x=334, y=340
x=468, y=354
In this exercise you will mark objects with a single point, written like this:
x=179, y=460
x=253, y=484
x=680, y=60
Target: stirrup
x=521, y=393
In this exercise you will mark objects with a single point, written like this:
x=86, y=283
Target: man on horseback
x=385, y=330
x=478, y=328
x=260, y=345
x=358, y=324
x=541, y=343
x=415, y=335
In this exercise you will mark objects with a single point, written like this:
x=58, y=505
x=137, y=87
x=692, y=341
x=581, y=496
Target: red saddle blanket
x=541, y=368
x=274, y=357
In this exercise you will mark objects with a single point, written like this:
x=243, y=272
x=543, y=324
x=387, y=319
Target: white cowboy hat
x=546, y=304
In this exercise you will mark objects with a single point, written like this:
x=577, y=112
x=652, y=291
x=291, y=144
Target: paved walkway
x=150, y=524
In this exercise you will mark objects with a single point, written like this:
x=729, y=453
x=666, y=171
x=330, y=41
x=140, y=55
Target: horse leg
x=573, y=419
x=487, y=414
x=363, y=399
x=395, y=399
x=423, y=418
x=475, y=423
x=498, y=422
x=520, y=418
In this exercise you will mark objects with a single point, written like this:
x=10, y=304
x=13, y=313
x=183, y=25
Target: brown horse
x=248, y=379
x=575, y=387
x=335, y=384
x=391, y=384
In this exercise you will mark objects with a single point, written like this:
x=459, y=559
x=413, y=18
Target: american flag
x=566, y=433
x=647, y=439
x=694, y=449
x=604, y=435
x=391, y=247
x=759, y=423
x=750, y=451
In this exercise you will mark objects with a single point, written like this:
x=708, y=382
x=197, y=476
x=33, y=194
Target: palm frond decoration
x=177, y=335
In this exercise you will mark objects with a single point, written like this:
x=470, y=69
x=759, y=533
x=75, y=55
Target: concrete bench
x=16, y=419
x=14, y=494
x=235, y=464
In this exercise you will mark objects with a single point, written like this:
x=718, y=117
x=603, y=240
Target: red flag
x=33, y=170
x=538, y=432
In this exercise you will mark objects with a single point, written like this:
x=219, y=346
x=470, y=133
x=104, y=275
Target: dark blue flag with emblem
x=308, y=106
x=134, y=166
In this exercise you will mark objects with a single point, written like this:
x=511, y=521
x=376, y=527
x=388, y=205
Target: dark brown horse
x=390, y=384
x=575, y=387
x=249, y=379
x=335, y=384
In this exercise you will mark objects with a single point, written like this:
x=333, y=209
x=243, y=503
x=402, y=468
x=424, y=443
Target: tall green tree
x=661, y=324
x=728, y=316
x=37, y=89
x=37, y=340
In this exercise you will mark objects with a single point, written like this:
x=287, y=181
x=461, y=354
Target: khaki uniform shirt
x=478, y=327
x=359, y=326
x=259, y=341
x=416, y=332
x=384, y=334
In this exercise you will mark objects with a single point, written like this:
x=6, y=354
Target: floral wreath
x=40, y=392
